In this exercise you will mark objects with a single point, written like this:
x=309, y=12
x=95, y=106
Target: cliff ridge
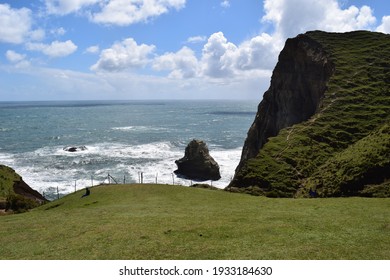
x=329, y=93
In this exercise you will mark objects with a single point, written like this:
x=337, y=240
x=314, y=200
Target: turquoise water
x=122, y=138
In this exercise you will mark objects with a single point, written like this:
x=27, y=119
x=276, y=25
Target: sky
x=160, y=49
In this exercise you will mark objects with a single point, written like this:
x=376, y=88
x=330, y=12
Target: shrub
x=19, y=204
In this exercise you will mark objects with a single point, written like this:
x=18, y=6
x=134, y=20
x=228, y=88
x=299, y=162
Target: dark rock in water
x=75, y=149
x=197, y=164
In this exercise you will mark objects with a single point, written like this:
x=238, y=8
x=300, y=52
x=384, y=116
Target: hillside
x=16, y=192
x=324, y=122
x=175, y=222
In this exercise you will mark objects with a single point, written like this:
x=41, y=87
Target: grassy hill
x=15, y=194
x=344, y=148
x=174, y=222
x=7, y=179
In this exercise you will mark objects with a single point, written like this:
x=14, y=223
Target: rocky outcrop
x=73, y=149
x=21, y=188
x=197, y=164
x=323, y=123
x=12, y=184
x=297, y=85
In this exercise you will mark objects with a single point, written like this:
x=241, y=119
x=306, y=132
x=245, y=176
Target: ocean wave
x=7, y=159
x=139, y=128
x=234, y=113
x=50, y=167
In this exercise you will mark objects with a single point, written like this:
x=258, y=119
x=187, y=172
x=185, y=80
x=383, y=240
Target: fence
x=54, y=193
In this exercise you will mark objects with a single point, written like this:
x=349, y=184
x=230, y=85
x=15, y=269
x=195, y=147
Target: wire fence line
x=53, y=193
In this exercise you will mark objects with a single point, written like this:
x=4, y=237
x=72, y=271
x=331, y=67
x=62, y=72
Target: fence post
x=173, y=179
x=58, y=193
x=75, y=189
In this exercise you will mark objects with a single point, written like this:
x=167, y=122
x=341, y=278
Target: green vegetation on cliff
x=7, y=178
x=15, y=194
x=175, y=222
x=344, y=148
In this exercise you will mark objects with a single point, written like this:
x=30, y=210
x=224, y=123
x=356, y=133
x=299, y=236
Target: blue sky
x=160, y=49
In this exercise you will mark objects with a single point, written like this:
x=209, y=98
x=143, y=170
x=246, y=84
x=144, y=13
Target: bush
x=19, y=204
x=272, y=194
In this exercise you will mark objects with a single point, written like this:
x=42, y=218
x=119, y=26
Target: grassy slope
x=356, y=105
x=7, y=178
x=173, y=222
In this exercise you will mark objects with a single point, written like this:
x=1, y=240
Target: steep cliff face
x=297, y=86
x=12, y=183
x=328, y=100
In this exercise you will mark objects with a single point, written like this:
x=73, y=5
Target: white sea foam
x=55, y=167
x=162, y=169
x=138, y=128
x=7, y=159
x=129, y=128
x=134, y=140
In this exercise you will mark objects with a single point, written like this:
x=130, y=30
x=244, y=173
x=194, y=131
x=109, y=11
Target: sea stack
x=197, y=164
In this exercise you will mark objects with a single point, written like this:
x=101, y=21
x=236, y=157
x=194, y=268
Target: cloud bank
x=200, y=65
x=223, y=59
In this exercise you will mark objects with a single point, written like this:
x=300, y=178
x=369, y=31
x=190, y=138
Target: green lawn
x=174, y=222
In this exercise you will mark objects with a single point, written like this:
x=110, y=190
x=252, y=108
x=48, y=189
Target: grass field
x=174, y=222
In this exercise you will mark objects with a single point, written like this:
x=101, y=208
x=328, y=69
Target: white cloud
x=115, y=12
x=14, y=57
x=63, y=7
x=93, y=49
x=221, y=58
x=182, y=64
x=225, y=4
x=15, y=24
x=291, y=17
x=37, y=35
x=123, y=55
x=385, y=26
x=260, y=52
x=44, y=83
x=196, y=39
x=18, y=60
x=126, y=12
x=216, y=56
x=58, y=31
x=55, y=49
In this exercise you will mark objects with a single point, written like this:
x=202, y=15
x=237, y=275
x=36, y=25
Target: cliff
x=12, y=186
x=329, y=93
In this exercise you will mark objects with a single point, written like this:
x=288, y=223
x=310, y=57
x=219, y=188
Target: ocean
x=117, y=140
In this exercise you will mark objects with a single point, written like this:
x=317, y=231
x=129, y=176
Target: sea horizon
x=123, y=138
